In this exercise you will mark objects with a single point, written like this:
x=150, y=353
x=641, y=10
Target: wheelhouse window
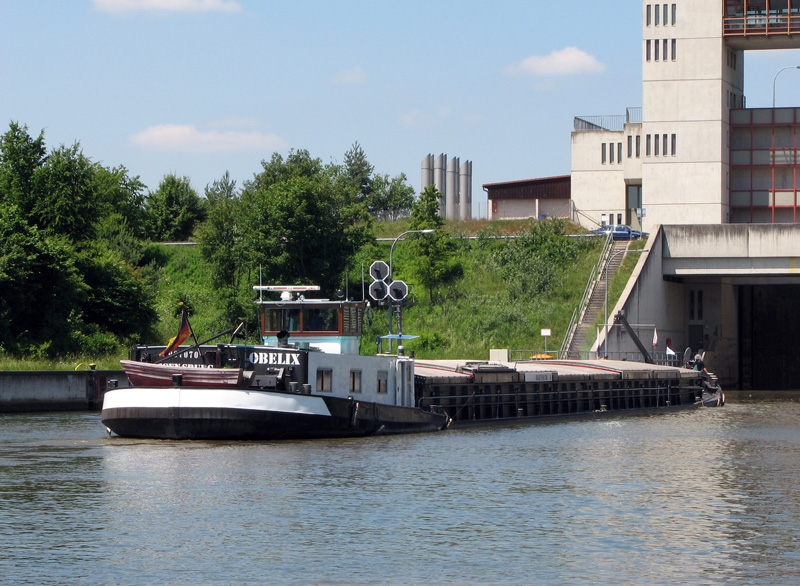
x=283, y=319
x=324, y=380
x=320, y=319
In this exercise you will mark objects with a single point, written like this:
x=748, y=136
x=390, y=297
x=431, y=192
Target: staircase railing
x=580, y=310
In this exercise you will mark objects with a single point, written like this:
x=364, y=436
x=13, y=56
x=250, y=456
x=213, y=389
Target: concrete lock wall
x=713, y=263
x=49, y=390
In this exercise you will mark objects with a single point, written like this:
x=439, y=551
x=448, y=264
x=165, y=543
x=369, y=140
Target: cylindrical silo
x=440, y=180
x=465, y=191
x=427, y=172
x=451, y=197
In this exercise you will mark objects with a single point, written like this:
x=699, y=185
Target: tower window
x=655, y=144
x=648, y=49
x=647, y=146
x=603, y=153
x=664, y=149
x=619, y=152
x=665, y=49
x=666, y=15
x=649, y=13
x=674, y=144
x=630, y=146
x=674, y=48
x=638, y=146
x=674, y=10
x=657, y=45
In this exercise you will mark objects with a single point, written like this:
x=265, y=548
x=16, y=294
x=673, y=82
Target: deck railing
x=761, y=24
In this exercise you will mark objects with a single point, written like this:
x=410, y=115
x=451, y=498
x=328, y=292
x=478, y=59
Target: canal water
x=702, y=497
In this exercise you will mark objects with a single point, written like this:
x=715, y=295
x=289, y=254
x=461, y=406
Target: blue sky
x=200, y=87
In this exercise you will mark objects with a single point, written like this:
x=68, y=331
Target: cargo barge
x=483, y=392
x=307, y=380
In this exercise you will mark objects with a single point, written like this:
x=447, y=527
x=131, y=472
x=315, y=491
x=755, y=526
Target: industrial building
x=715, y=184
x=693, y=153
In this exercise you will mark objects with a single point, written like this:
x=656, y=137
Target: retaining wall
x=55, y=390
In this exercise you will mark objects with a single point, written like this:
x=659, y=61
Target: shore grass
x=109, y=362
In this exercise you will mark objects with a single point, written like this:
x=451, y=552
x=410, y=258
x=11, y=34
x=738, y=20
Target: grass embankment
x=501, y=300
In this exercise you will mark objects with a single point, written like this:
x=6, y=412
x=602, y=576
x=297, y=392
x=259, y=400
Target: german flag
x=183, y=332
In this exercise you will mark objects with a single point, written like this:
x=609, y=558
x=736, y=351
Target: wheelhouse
x=333, y=326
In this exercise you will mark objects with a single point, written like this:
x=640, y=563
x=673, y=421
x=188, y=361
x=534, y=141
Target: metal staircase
x=592, y=305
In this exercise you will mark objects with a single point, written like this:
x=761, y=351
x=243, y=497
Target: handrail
x=580, y=310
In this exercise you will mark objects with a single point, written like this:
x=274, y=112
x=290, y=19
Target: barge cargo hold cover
x=480, y=392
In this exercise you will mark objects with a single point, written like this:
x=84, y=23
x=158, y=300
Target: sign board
x=546, y=332
x=379, y=270
x=378, y=290
x=398, y=290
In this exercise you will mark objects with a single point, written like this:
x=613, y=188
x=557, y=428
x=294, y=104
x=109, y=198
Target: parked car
x=619, y=232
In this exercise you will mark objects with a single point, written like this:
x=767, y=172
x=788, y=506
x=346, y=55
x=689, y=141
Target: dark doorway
x=769, y=337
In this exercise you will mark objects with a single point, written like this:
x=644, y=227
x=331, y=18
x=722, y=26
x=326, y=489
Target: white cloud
x=185, y=138
x=350, y=76
x=568, y=61
x=416, y=118
x=168, y=5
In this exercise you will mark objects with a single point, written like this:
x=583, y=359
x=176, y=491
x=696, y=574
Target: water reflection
x=697, y=496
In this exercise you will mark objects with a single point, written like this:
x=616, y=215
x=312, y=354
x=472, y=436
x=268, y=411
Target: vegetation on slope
x=84, y=277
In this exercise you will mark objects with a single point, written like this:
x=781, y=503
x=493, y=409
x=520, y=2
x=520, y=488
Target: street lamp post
x=776, y=79
x=391, y=277
x=605, y=340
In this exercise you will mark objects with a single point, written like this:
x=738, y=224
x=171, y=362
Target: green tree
x=221, y=246
x=219, y=234
x=117, y=300
x=121, y=199
x=69, y=240
x=358, y=172
x=432, y=261
x=65, y=193
x=299, y=224
x=173, y=209
x=297, y=164
x=20, y=157
x=390, y=199
x=41, y=287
